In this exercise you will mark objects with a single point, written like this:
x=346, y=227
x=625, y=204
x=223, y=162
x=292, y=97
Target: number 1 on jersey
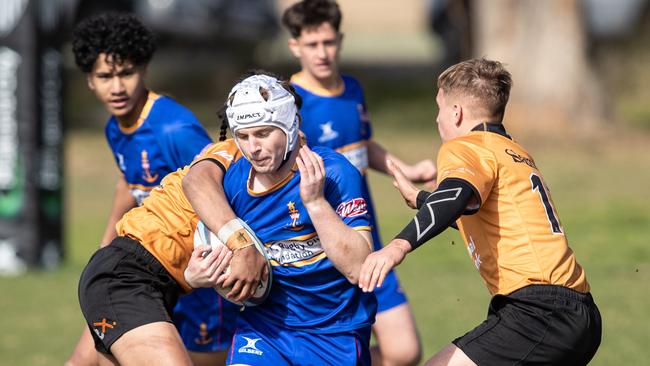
x=538, y=186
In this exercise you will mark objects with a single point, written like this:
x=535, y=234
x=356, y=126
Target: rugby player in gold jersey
x=490, y=188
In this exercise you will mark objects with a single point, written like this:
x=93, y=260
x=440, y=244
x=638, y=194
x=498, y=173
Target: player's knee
x=404, y=354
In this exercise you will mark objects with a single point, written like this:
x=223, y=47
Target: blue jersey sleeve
x=343, y=189
x=364, y=115
x=182, y=141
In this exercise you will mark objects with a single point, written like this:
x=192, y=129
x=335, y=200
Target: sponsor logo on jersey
x=521, y=159
x=140, y=194
x=250, y=346
x=144, y=162
x=294, y=214
x=204, y=338
x=120, y=162
x=352, y=208
x=289, y=251
x=224, y=154
x=358, y=156
x=476, y=257
x=363, y=113
x=104, y=325
x=328, y=132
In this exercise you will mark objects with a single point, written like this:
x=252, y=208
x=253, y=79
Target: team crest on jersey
x=146, y=167
x=296, y=224
x=328, y=132
x=352, y=208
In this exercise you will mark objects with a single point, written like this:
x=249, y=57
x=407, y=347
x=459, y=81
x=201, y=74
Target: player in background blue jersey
x=307, y=207
x=150, y=136
x=334, y=114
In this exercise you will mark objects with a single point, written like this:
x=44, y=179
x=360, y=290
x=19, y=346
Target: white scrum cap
x=247, y=108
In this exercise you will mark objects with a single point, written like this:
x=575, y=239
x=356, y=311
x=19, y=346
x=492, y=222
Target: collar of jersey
x=275, y=187
x=497, y=128
x=300, y=80
x=151, y=99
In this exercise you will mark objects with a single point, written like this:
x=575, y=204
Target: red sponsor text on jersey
x=352, y=208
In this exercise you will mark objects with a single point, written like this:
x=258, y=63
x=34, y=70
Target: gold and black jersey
x=515, y=238
x=166, y=221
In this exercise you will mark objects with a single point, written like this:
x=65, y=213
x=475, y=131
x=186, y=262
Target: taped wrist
x=439, y=210
x=234, y=235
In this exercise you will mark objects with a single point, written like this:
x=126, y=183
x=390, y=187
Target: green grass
x=599, y=188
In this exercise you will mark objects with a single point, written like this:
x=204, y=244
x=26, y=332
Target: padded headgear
x=246, y=107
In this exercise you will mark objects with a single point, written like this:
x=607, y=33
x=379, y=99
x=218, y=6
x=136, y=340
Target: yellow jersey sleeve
x=472, y=163
x=223, y=152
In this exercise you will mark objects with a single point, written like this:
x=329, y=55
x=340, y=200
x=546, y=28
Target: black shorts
x=536, y=325
x=123, y=287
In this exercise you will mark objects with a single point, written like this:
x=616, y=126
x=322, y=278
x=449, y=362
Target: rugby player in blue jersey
x=334, y=114
x=307, y=207
x=150, y=135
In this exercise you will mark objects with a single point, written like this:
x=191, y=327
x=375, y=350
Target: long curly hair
x=119, y=35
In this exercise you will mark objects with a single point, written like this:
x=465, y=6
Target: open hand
x=206, y=265
x=378, y=264
x=312, y=175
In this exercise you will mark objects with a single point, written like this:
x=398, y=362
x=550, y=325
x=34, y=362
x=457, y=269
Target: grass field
x=599, y=188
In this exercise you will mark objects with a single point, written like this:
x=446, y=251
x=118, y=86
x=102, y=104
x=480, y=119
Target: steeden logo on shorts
x=104, y=325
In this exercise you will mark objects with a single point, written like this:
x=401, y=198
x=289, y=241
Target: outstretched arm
x=344, y=246
x=438, y=211
x=421, y=172
x=203, y=186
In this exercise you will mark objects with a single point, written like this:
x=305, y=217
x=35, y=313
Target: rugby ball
x=203, y=236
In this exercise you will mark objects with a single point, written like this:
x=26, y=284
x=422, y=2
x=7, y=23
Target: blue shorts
x=205, y=321
x=390, y=294
x=268, y=345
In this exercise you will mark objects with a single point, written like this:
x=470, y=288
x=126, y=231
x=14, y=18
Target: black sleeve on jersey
x=438, y=211
x=215, y=161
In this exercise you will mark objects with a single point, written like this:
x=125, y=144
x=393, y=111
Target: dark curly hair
x=311, y=13
x=120, y=35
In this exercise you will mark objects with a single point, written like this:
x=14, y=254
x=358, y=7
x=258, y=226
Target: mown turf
x=599, y=188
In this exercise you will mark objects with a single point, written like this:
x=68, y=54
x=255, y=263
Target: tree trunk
x=543, y=44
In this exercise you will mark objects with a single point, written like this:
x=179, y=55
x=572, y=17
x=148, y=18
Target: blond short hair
x=487, y=82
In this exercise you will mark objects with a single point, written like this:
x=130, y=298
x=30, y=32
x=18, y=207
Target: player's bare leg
x=397, y=338
x=151, y=344
x=209, y=358
x=450, y=356
x=106, y=360
x=84, y=353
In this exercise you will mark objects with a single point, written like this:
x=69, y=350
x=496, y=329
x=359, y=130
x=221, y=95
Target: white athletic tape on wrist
x=234, y=235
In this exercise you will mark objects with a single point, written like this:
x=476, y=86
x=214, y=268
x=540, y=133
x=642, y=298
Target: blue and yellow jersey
x=339, y=120
x=308, y=292
x=165, y=137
